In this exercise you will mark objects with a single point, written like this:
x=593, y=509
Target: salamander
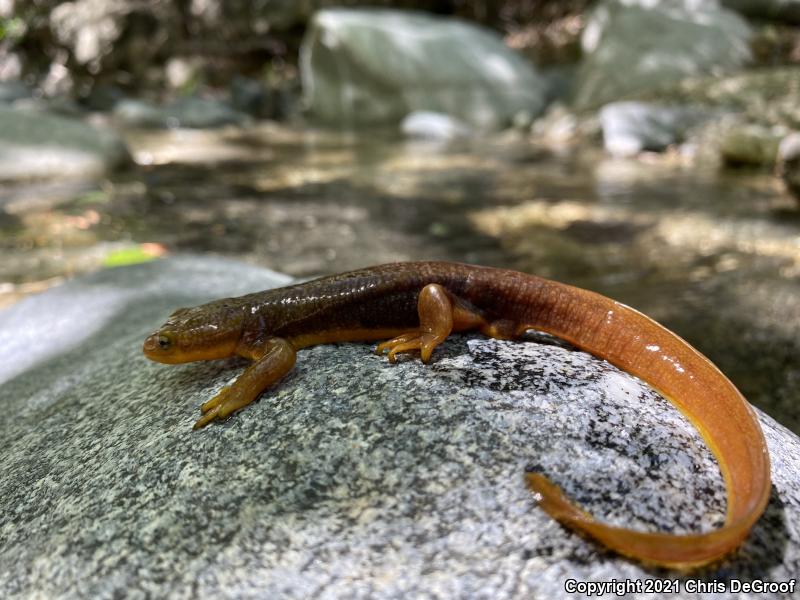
x=416, y=305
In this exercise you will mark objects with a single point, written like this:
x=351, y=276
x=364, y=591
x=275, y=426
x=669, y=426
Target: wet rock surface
x=352, y=477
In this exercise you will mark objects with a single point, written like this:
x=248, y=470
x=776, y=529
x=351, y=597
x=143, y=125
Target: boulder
x=631, y=127
x=350, y=478
x=635, y=45
x=362, y=67
x=36, y=144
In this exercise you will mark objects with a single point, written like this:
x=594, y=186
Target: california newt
x=417, y=305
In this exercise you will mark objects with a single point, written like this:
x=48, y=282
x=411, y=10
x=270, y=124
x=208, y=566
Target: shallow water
x=715, y=257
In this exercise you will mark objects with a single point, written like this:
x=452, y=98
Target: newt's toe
x=209, y=416
x=409, y=346
x=221, y=396
x=406, y=342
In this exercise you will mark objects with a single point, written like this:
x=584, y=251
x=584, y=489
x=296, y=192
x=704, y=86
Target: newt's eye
x=163, y=342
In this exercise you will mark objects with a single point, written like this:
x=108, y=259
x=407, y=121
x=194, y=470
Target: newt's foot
x=211, y=408
x=410, y=341
x=219, y=407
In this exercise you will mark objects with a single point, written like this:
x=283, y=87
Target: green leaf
x=127, y=256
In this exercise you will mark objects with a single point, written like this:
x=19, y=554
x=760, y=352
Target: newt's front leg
x=274, y=357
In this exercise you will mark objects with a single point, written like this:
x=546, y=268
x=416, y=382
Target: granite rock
x=372, y=67
x=351, y=478
x=36, y=144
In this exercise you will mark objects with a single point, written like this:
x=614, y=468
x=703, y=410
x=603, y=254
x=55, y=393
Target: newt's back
x=383, y=297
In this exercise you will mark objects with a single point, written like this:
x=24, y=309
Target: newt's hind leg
x=438, y=316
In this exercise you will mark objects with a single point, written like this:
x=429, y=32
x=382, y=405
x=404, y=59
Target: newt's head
x=204, y=332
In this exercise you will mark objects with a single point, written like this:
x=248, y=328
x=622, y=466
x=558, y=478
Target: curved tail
x=637, y=344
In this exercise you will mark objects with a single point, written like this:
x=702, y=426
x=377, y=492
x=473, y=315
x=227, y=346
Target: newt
x=415, y=306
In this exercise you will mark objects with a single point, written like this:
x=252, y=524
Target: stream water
x=714, y=256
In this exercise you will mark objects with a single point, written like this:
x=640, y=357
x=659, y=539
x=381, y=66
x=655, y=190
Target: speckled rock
x=35, y=144
x=352, y=478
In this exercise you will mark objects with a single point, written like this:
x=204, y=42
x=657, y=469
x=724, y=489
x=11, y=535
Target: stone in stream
x=350, y=478
x=374, y=66
x=635, y=45
x=631, y=127
x=36, y=144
